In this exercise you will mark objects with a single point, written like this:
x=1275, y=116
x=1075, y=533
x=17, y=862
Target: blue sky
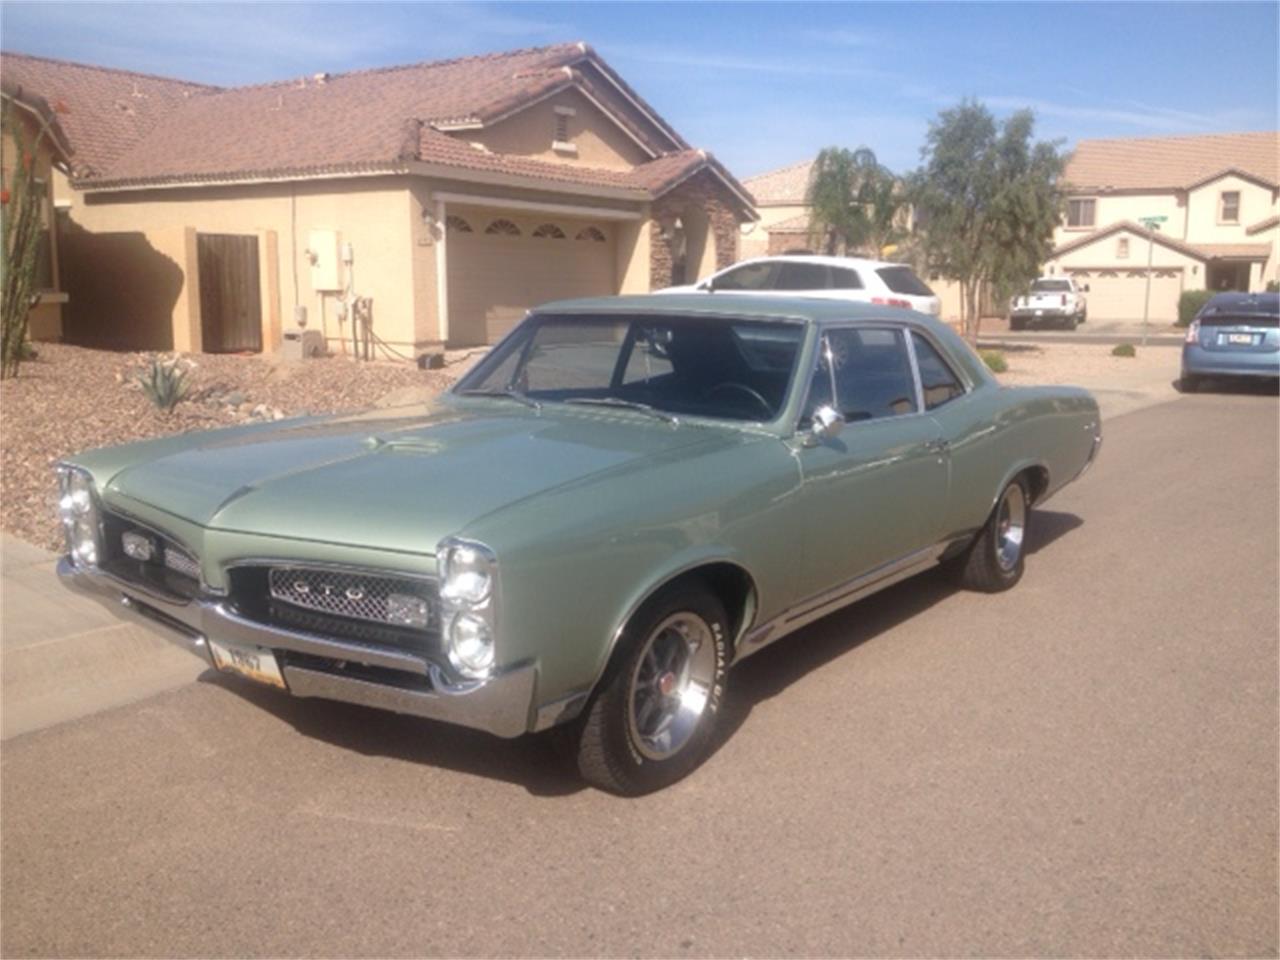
x=759, y=84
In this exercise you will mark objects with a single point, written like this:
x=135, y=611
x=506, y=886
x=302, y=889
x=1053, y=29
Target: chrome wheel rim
x=671, y=685
x=1011, y=526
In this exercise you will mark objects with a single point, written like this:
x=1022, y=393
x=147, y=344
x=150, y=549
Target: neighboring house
x=454, y=195
x=780, y=197
x=1219, y=195
x=44, y=320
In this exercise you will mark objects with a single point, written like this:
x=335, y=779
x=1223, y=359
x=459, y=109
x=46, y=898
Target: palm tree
x=855, y=201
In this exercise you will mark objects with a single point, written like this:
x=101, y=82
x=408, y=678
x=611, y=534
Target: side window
x=754, y=276
x=872, y=375
x=940, y=384
x=801, y=276
x=843, y=278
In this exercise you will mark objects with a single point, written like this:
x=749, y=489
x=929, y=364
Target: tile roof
x=781, y=187
x=1236, y=251
x=46, y=117
x=1199, y=251
x=135, y=130
x=1155, y=163
x=799, y=224
x=107, y=110
x=1262, y=225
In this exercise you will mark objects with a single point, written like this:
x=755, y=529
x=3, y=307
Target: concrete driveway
x=1086, y=765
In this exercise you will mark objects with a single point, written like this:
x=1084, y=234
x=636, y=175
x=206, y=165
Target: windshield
x=1051, y=286
x=699, y=366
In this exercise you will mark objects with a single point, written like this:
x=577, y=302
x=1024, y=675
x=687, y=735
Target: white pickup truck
x=1056, y=300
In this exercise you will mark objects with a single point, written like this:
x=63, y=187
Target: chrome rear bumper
x=500, y=705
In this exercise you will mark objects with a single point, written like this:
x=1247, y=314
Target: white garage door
x=1119, y=294
x=501, y=264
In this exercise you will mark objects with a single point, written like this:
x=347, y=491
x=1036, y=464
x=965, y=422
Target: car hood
x=395, y=479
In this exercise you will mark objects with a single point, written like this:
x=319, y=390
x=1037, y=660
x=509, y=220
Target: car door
x=875, y=493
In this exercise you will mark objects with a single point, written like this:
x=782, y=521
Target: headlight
x=468, y=598
x=470, y=645
x=78, y=510
x=467, y=570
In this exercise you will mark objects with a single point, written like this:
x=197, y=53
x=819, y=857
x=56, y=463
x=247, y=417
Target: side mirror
x=827, y=423
x=1085, y=288
x=708, y=285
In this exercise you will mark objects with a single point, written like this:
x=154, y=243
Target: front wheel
x=652, y=720
x=1017, y=323
x=995, y=561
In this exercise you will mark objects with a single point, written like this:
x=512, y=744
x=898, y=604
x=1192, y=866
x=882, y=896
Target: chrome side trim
x=842, y=595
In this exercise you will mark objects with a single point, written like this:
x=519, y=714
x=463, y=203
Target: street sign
x=1152, y=223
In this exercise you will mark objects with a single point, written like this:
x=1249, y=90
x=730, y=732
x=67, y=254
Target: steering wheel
x=730, y=386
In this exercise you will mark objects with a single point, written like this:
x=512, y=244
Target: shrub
x=1273, y=286
x=1124, y=350
x=1189, y=305
x=164, y=381
x=994, y=360
x=27, y=351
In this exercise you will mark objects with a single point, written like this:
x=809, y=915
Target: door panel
x=230, y=299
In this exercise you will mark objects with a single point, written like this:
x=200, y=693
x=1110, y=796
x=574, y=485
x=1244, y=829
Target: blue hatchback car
x=1233, y=335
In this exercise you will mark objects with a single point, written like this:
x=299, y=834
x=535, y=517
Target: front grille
x=181, y=563
x=358, y=596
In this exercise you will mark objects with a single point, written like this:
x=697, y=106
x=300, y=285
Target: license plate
x=1245, y=338
x=252, y=662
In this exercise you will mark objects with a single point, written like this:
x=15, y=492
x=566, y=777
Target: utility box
x=326, y=263
x=299, y=344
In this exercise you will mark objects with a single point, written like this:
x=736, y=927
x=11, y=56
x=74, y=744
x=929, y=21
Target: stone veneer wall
x=703, y=191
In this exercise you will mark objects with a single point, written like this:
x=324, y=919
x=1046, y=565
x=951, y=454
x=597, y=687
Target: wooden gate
x=230, y=302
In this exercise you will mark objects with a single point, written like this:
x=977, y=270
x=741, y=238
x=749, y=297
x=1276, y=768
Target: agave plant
x=164, y=381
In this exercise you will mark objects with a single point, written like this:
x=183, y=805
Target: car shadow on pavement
x=771, y=671
x=530, y=762
x=535, y=762
x=1238, y=386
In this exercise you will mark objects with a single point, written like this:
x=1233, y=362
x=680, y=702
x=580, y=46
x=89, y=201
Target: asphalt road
x=1086, y=765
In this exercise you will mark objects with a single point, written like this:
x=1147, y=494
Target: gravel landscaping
x=72, y=398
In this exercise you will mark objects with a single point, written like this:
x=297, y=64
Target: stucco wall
x=1110, y=208
x=126, y=230
x=599, y=141
x=1256, y=203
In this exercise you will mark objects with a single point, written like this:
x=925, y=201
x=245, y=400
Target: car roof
x=821, y=258
x=1235, y=302
x=743, y=306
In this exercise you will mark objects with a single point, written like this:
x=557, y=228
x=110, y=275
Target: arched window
x=503, y=227
x=455, y=224
x=549, y=231
x=594, y=234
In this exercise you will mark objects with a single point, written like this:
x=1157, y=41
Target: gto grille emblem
x=355, y=594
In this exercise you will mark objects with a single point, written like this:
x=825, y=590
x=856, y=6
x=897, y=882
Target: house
x=52, y=152
x=781, y=201
x=1219, y=199
x=441, y=199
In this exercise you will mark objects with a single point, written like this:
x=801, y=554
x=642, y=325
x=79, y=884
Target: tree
x=22, y=202
x=854, y=201
x=987, y=200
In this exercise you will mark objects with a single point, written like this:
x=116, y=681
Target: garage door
x=502, y=264
x=1119, y=294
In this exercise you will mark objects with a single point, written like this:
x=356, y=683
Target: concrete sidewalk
x=63, y=657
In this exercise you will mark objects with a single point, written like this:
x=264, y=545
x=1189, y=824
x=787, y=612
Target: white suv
x=831, y=278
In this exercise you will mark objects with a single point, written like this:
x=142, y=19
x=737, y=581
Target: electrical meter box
x=326, y=263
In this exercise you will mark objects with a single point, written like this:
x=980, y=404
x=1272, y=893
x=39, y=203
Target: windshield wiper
x=628, y=404
x=509, y=392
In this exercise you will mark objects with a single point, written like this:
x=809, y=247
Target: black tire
x=1073, y=321
x=1189, y=383
x=983, y=567
x=1017, y=323
x=612, y=752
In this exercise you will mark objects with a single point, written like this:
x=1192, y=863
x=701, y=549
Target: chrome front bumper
x=500, y=705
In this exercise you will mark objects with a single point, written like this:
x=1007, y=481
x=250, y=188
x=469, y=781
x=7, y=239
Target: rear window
x=1240, y=320
x=904, y=280
x=1051, y=286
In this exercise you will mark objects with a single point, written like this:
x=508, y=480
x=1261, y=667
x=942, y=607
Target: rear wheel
x=1189, y=383
x=652, y=720
x=996, y=560
x=1017, y=323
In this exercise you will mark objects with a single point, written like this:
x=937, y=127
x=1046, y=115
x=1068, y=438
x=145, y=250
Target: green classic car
x=624, y=498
